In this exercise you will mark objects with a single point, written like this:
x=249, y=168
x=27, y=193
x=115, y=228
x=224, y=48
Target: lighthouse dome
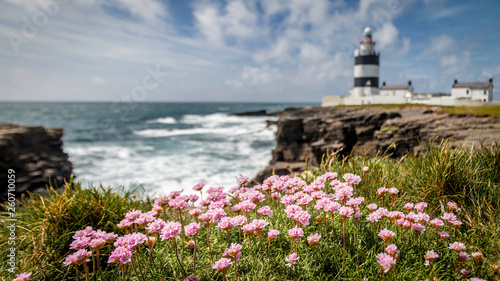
x=367, y=32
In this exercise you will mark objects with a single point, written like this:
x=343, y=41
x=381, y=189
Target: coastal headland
x=304, y=135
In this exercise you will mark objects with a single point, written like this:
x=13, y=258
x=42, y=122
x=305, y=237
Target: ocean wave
x=163, y=120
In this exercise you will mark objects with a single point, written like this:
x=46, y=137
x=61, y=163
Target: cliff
x=308, y=133
x=35, y=154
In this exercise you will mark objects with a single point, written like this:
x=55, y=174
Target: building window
x=467, y=92
x=485, y=92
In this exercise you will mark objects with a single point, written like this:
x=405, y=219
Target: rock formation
x=35, y=154
x=306, y=134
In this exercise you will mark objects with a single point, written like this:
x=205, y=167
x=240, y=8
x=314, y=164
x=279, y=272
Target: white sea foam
x=164, y=120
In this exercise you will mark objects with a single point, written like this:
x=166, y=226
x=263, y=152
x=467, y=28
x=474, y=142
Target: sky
x=235, y=50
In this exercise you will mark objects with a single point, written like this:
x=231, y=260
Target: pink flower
x=457, y=224
x=374, y=217
x=420, y=206
x=124, y=224
x=464, y=272
x=321, y=203
x=78, y=257
x=272, y=234
x=295, y=233
x=292, y=259
x=239, y=220
x=344, y=193
x=80, y=243
x=346, y=212
x=195, y=213
x=233, y=252
x=332, y=207
x=431, y=256
x=386, y=235
x=366, y=169
x=222, y=265
x=330, y=175
x=225, y=223
x=393, y=191
x=259, y=225
x=87, y=232
x=247, y=206
x=171, y=230
x=372, y=207
x=133, y=215
x=97, y=243
x=248, y=229
x=121, y=255
x=449, y=217
x=418, y=228
x=382, y=191
x=409, y=206
x=265, y=211
x=199, y=186
x=386, y=262
x=352, y=179
x=218, y=214
x=192, y=278
x=457, y=247
x=437, y=223
x=242, y=181
x=191, y=229
x=22, y=277
x=452, y=206
x=443, y=235
x=313, y=239
x=144, y=219
x=477, y=256
x=392, y=250
x=290, y=210
x=302, y=217
x=463, y=256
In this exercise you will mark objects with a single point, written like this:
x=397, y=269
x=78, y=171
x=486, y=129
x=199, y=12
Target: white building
x=475, y=91
x=366, y=91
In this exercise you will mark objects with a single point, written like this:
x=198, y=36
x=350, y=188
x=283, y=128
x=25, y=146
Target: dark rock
x=262, y=112
x=35, y=154
x=306, y=134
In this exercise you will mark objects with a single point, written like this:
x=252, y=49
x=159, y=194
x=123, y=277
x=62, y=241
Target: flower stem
x=194, y=257
x=177, y=256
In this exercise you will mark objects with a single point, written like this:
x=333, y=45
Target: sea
x=158, y=147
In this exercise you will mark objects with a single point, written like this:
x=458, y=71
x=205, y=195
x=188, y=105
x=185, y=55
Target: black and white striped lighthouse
x=366, y=67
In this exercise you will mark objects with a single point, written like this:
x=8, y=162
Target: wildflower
x=409, y=206
x=265, y=211
x=97, y=243
x=302, y=217
x=195, y=213
x=191, y=229
x=218, y=214
x=290, y=210
x=457, y=224
x=476, y=279
x=239, y=220
x=78, y=257
x=121, y=255
x=366, y=169
x=430, y=256
x=437, y=223
x=464, y=272
x=346, y=212
x=452, y=206
x=222, y=265
x=292, y=259
x=199, y=186
x=449, y=217
x=87, y=232
x=443, y=235
x=332, y=207
x=393, y=191
x=421, y=206
x=248, y=229
x=313, y=239
x=225, y=223
x=386, y=235
x=192, y=278
x=133, y=215
x=386, y=262
x=477, y=256
x=233, y=252
x=352, y=179
x=457, y=247
x=295, y=233
x=463, y=256
x=372, y=207
x=22, y=277
x=392, y=250
x=304, y=200
x=272, y=234
x=124, y=224
x=171, y=230
x=80, y=243
x=144, y=219
x=418, y=228
x=382, y=191
x=344, y=193
x=155, y=226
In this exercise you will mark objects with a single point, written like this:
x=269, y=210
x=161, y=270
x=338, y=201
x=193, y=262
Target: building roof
x=473, y=85
x=395, y=87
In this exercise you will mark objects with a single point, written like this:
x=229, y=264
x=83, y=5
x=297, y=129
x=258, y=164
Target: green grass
x=469, y=178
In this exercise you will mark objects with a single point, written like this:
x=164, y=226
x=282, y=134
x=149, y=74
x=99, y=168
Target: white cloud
x=386, y=36
x=439, y=44
x=148, y=10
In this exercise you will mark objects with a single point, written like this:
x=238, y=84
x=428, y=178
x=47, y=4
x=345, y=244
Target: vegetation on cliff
x=352, y=246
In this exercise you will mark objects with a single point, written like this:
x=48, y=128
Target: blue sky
x=203, y=50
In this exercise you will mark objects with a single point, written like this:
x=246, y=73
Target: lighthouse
x=366, y=67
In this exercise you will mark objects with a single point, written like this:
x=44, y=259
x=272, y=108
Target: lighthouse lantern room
x=366, y=68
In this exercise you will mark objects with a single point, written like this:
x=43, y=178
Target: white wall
x=366, y=70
